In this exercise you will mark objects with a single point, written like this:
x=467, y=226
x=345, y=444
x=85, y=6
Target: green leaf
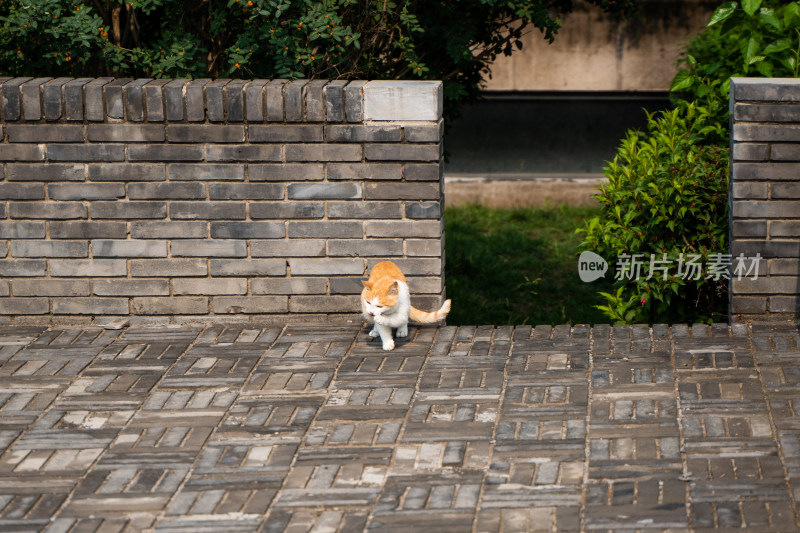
x=683, y=80
x=768, y=16
x=722, y=13
x=750, y=50
x=751, y=6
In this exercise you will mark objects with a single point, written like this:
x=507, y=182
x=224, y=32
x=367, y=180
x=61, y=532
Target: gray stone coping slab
x=313, y=427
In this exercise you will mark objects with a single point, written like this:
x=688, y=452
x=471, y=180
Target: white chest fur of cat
x=386, y=303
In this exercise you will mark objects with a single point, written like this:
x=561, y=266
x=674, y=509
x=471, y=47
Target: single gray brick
x=750, y=228
x=782, y=229
x=127, y=172
x=768, y=249
x=243, y=153
x=426, y=286
x=73, y=98
x=195, y=101
x=780, y=152
x=402, y=191
x=10, y=268
x=766, y=133
x=41, y=133
x=234, y=100
x=94, y=101
x=250, y=304
x=129, y=210
x=419, y=210
x=114, y=99
x=245, y=191
x=134, y=99
x=365, y=248
x=323, y=152
x=750, y=190
x=361, y=133
x=23, y=249
x=22, y=230
x=133, y=133
x=209, y=248
x=154, y=100
x=50, y=287
x=424, y=133
x=22, y=152
x=169, y=230
x=113, y=248
x=422, y=172
x=334, y=101
x=254, y=94
x=287, y=210
x=51, y=95
x=105, y=268
x=165, y=152
x=766, y=113
x=45, y=172
x=765, y=171
x=248, y=230
x=173, y=99
x=424, y=247
x=290, y=286
x=186, y=305
x=147, y=268
x=12, y=99
x=248, y=267
x=770, y=285
x=767, y=209
x=354, y=101
x=315, y=100
x=784, y=304
x=205, y=133
x=402, y=152
x=90, y=306
x=402, y=228
x=326, y=267
x=274, y=100
x=86, y=191
x=208, y=210
x=130, y=287
x=415, y=267
x=217, y=286
x=215, y=107
x=287, y=248
x=750, y=152
x=324, y=191
x=166, y=191
x=86, y=152
x=32, y=98
x=281, y=133
x=325, y=230
x=21, y=191
x=88, y=230
x=362, y=210
x=291, y=172
x=785, y=190
x=207, y=171
x=293, y=100
x=783, y=267
x=24, y=306
x=341, y=285
x=47, y=210
x=330, y=304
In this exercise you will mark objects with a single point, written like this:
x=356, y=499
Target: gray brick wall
x=169, y=201
x=765, y=196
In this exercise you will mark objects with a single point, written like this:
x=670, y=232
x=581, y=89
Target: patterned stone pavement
x=314, y=428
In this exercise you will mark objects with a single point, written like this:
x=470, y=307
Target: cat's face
x=379, y=297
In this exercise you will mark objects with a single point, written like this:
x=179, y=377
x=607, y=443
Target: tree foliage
x=454, y=41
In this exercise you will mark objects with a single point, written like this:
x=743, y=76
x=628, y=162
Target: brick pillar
x=765, y=196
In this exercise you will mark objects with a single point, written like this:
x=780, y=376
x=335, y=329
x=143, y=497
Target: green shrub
x=667, y=194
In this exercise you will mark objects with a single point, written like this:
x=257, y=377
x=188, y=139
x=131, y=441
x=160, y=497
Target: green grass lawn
x=518, y=266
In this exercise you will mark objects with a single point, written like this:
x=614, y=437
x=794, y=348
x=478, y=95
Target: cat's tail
x=429, y=318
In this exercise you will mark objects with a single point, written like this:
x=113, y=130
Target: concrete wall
x=765, y=196
x=593, y=52
x=173, y=201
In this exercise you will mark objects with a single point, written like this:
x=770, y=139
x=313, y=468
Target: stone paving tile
x=315, y=428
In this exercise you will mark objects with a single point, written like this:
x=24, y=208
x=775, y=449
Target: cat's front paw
x=374, y=333
x=388, y=345
x=402, y=331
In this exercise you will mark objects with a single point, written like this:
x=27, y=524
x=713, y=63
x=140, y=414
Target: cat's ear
x=393, y=289
x=367, y=284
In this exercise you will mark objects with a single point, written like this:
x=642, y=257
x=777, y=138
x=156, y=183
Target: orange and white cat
x=385, y=301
